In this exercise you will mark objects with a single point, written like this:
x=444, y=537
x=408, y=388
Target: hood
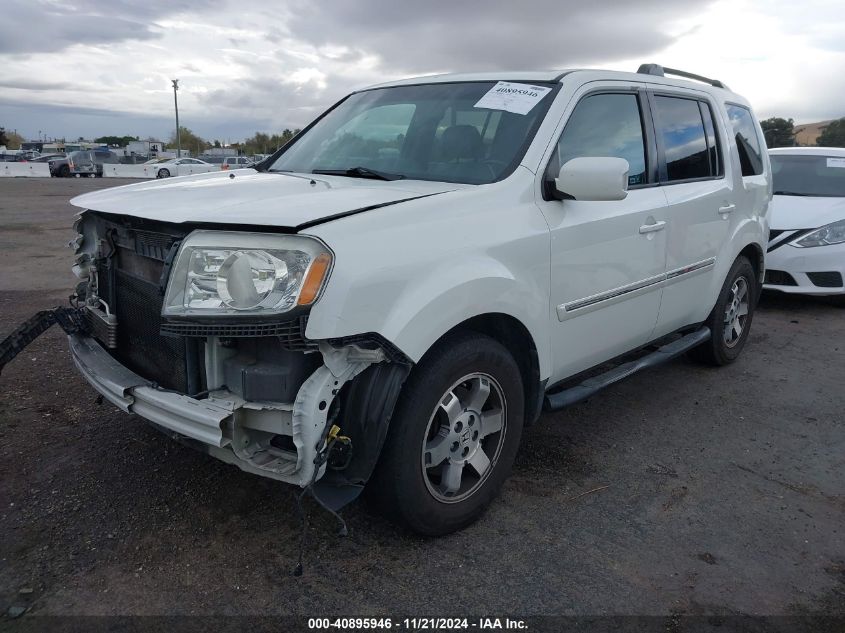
x=249, y=197
x=804, y=212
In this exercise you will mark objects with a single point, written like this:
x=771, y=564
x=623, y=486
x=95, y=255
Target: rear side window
x=747, y=141
x=680, y=127
x=604, y=125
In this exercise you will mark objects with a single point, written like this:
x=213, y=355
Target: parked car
x=167, y=167
x=90, y=162
x=59, y=167
x=46, y=158
x=806, y=253
x=55, y=162
x=236, y=162
x=404, y=286
x=19, y=155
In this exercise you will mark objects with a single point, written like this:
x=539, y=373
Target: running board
x=567, y=397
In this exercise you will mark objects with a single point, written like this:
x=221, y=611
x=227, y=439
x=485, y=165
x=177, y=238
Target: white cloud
x=104, y=66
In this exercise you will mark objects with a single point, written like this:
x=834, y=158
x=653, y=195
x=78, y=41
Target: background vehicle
x=401, y=289
x=46, y=158
x=59, y=166
x=90, y=162
x=54, y=162
x=807, y=241
x=167, y=167
x=236, y=162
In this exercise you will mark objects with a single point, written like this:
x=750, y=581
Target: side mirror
x=593, y=178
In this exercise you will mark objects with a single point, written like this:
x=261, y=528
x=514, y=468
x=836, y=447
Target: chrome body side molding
x=593, y=302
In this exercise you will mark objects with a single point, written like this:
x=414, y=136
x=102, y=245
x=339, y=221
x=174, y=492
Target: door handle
x=727, y=209
x=651, y=228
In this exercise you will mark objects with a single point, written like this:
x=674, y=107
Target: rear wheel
x=64, y=171
x=730, y=321
x=453, y=438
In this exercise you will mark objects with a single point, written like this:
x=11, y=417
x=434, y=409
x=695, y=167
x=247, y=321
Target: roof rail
x=661, y=71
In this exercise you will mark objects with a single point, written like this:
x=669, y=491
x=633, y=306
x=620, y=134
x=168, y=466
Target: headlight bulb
x=246, y=278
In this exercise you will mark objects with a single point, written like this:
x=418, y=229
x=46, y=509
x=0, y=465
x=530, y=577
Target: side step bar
x=567, y=397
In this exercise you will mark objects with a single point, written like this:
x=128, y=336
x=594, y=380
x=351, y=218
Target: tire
x=438, y=421
x=64, y=171
x=163, y=173
x=725, y=346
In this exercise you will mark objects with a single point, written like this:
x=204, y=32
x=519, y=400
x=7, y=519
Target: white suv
x=403, y=287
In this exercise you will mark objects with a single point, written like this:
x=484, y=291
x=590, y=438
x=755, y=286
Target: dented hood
x=256, y=198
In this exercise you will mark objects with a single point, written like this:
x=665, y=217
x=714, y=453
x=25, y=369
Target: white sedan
x=806, y=252
x=167, y=167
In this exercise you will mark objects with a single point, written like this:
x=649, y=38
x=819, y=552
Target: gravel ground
x=683, y=490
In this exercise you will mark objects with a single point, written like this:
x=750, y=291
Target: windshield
x=822, y=176
x=426, y=132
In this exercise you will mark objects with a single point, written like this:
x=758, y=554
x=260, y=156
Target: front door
x=607, y=258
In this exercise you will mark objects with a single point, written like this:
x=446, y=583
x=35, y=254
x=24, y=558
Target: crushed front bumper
x=224, y=425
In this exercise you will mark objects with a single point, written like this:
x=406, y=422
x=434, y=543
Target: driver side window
x=604, y=124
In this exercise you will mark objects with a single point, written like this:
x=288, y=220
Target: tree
x=779, y=132
x=262, y=143
x=833, y=134
x=12, y=140
x=190, y=141
x=120, y=141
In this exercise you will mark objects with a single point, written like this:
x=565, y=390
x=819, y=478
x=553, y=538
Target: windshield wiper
x=790, y=193
x=359, y=172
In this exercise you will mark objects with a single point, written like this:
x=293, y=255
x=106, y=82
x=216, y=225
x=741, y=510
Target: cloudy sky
x=93, y=67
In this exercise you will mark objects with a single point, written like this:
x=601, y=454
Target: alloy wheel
x=464, y=438
x=736, y=312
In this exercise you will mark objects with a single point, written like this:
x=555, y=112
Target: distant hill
x=808, y=133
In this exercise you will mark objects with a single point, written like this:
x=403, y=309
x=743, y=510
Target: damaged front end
x=243, y=384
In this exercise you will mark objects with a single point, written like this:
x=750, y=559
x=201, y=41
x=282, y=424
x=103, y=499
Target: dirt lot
x=713, y=491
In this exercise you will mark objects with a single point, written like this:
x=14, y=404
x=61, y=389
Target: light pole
x=178, y=131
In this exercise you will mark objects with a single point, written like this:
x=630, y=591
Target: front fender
x=424, y=308
x=429, y=308
x=415, y=272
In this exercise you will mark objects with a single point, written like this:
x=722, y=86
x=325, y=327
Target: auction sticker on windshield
x=831, y=162
x=510, y=97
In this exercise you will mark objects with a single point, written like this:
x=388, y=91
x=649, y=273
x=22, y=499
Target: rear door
x=607, y=258
x=690, y=138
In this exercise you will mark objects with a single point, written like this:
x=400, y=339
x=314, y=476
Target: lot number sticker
x=832, y=162
x=510, y=97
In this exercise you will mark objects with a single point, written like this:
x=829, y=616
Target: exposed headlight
x=219, y=272
x=830, y=234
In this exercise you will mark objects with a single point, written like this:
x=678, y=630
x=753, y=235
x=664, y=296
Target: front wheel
x=730, y=321
x=164, y=173
x=453, y=438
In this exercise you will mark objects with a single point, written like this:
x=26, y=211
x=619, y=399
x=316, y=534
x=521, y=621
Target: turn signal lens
x=314, y=279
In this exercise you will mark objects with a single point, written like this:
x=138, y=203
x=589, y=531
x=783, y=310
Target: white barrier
x=25, y=170
x=129, y=171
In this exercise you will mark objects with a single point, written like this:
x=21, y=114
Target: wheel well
x=755, y=255
x=511, y=333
